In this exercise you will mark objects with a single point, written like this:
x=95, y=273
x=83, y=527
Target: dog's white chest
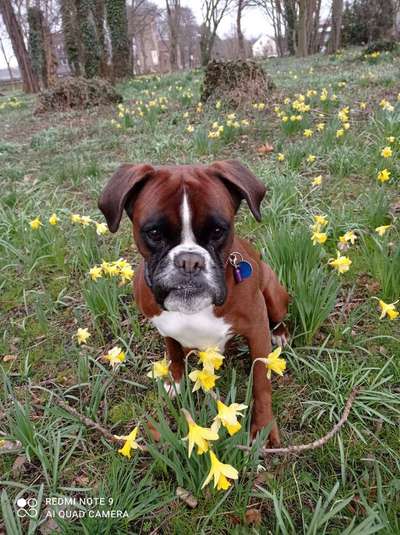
x=198, y=331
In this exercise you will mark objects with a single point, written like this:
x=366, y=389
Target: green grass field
x=325, y=161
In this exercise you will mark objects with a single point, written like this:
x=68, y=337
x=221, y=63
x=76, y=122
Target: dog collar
x=242, y=269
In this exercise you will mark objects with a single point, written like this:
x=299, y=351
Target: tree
x=365, y=21
x=336, y=26
x=40, y=47
x=117, y=21
x=280, y=17
x=241, y=4
x=213, y=13
x=91, y=52
x=30, y=81
x=174, y=17
x=70, y=33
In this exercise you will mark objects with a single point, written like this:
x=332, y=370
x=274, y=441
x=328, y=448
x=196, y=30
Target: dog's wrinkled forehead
x=182, y=195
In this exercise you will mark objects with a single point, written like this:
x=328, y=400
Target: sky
x=254, y=24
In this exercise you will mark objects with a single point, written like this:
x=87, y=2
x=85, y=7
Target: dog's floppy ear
x=120, y=190
x=244, y=183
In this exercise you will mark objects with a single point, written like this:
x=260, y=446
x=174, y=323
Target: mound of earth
x=236, y=82
x=77, y=93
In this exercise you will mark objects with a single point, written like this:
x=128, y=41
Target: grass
x=59, y=163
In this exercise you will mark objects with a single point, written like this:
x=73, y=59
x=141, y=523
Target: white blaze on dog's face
x=183, y=226
x=190, y=258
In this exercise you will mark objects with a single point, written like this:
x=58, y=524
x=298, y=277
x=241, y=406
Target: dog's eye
x=154, y=234
x=217, y=232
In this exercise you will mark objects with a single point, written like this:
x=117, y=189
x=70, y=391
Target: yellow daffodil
x=274, y=363
x=340, y=132
x=382, y=229
x=348, y=236
x=341, y=263
x=110, y=268
x=35, y=224
x=221, y=473
x=75, y=218
x=319, y=237
x=82, y=335
x=211, y=358
x=126, y=273
x=227, y=416
x=280, y=157
x=311, y=158
x=96, y=273
x=317, y=181
x=363, y=105
x=308, y=132
x=386, y=152
x=85, y=220
x=53, y=219
x=319, y=222
x=204, y=379
x=190, y=128
x=218, y=104
x=391, y=139
x=130, y=444
x=159, y=369
x=320, y=127
x=198, y=436
x=388, y=309
x=101, y=228
x=384, y=175
x=115, y=356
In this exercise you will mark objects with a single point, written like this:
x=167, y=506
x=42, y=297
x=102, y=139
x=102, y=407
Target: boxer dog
x=198, y=283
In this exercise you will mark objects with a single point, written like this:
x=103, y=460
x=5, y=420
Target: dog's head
x=183, y=225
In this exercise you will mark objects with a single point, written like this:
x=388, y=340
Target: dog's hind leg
x=277, y=301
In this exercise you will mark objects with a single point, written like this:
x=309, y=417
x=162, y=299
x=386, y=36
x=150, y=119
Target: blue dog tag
x=245, y=269
x=242, y=271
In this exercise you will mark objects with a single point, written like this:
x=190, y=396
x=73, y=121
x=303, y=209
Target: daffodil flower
x=311, y=158
x=227, y=416
x=386, y=152
x=220, y=472
x=348, y=236
x=75, y=218
x=384, y=175
x=159, y=369
x=96, y=273
x=211, y=358
x=341, y=263
x=204, y=379
x=130, y=443
x=198, y=436
x=388, y=309
x=82, y=335
x=53, y=219
x=317, y=181
x=382, y=229
x=126, y=273
x=274, y=363
x=35, y=224
x=280, y=157
x=110, y=268
x=115, y=356
x=101, y=228
x=319, y=237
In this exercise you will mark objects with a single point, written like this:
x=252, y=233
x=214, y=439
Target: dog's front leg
x=260, y=346
x=176, y=357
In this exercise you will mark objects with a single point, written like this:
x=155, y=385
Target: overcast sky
x=254, y=24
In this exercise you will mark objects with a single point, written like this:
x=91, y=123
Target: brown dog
x=198, y=283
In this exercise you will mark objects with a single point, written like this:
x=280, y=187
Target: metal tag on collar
x=241, y=268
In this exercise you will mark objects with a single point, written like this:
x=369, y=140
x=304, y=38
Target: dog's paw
x=172, y=389
x=280, y=336
x=273, y=440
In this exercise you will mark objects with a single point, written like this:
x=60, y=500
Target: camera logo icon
x=27, y=507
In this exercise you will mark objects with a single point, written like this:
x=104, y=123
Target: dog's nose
x=189, y=262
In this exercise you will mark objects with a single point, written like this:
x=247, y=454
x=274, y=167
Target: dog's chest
x=198, y=331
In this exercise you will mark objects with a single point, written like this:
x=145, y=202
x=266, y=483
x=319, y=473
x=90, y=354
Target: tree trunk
x=240, y=37
x=302, y=44
x=70, y=34
x=99, y=21
x=88, y=37
x=173, y=14
x=29, y=79
x=291, y=23
x=337, y=12
x=117, y=21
